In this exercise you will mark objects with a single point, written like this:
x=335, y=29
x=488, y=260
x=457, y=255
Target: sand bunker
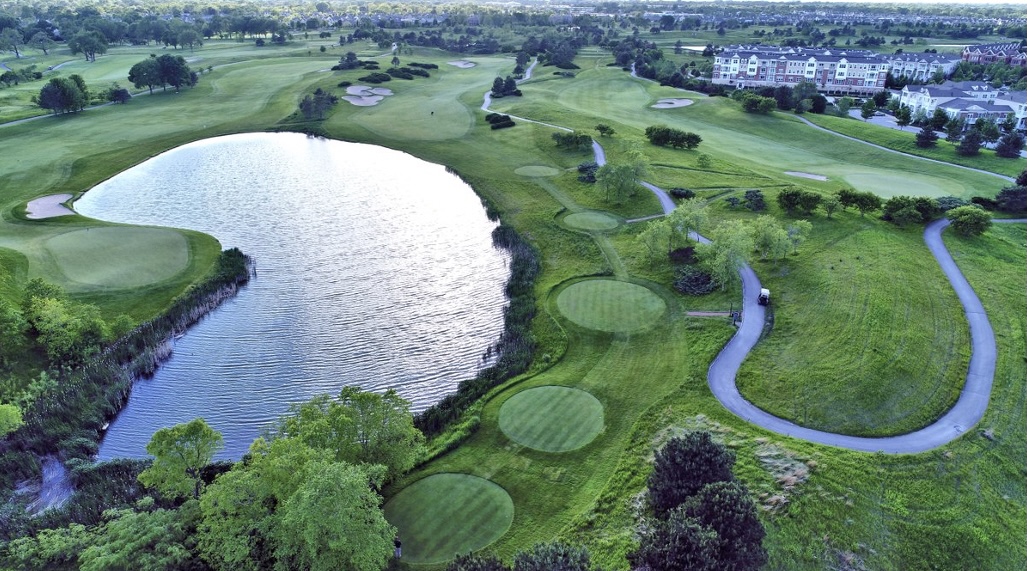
x=365, y=96
x=463, y=64
x=672, y=103
x=49, y=207
x=806, y=175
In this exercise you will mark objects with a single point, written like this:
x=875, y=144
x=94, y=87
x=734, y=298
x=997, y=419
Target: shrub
x=683, y=255
x=682, y=193
x=754, y=200
x=969, y=220
x=588, y=171
x=376, y=78
x=926, y=138
x=1012, y=199
x=1009, y=145
x=691, y=280
x=684, y=466
x=399, y=73
x=423, y=65
x=984, y=202
x=345, y=83
x=906, y=209
x=947, y=203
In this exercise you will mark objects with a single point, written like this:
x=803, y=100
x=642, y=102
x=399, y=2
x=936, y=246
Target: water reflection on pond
x=374, y=268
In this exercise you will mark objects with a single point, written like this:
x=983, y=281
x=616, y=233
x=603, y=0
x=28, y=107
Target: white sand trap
x=462, y=64
x=806, y=175
x=366, y=101
x=49, y=207
x=672, y=103
x=365, y=96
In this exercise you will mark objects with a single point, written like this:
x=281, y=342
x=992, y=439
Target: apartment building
x=968, y=100
x=833, y=71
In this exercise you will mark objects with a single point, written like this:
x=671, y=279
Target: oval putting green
x=537, y=170
x=591, y=221
x=552, y=419
x=121, y=256
x=887, y=185
x=610, y=305
x=445, y=515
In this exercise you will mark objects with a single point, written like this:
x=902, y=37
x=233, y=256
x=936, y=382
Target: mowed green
x=888, y=184
x=444, y=515
x=118, y=257
x=552, y=419
x=610, y=305
x=591, y=221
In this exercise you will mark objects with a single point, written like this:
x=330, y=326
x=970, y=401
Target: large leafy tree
x=689, y=216
x=11, y=40
x=63, y=95
x=683, y=466
x=731, y=246
x=145, y=74
x=333, y=521
x=678, y=543
x=146, y=539
x=358, y=427
x=180, y=452
x=728, y=509
x=89, y=43
x=290, y=506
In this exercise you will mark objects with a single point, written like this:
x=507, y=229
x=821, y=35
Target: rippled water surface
x=374, y=268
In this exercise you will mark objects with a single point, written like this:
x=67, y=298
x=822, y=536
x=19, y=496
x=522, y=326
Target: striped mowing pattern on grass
x=552, y=419
x=119, y=257
x=609, y=305
x=591, y=221
x=445, y=515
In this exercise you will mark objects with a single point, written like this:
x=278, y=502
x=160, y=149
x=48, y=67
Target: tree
x=358, y=427
x=679, y=543
x=654, y=239
x=173, y=71
x=12, y=330
x=1021, y=179
x=157, y=539
x=1010, y=145
x=954, y=129
x=1012, y=199
x=903, y=116
x=809, y=201
x=769, y=238
x=619, y=181
x=866, y=202
x=789, y=199
x=939, y=119
x=554, y=556
x=333, y=521
x=89, y=43
x=11, y=40
x=926, y=137
x=10, y=419
x=727, y=253
x=970, y=144
x=145, y=74
x=604, y=130
x=798, y=231
x=62, y=95
x=683, y=466
x=868, y=109
x=689, y=216
x=818, y=104
x=881, y=98
x=844, y=104
x=189, y=38
x=42, y=41
x=988, y=129
x=830, y=205
x=969, y=220
x=727, y=509
x=180, y=452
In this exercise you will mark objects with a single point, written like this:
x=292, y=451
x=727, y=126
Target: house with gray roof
x=968, y=100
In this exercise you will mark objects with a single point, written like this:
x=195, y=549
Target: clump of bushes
x=691, y=280
x=663, y=136
x=499, y=121
x=682, y=193
x=376, y=78
x=399, y=73
x=423, y=65
x=587, y=171
x=345, y=83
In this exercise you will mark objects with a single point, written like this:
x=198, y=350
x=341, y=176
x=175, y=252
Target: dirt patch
x=672, y=103
x=462, y=64
x=49, y=207
x=811, y=176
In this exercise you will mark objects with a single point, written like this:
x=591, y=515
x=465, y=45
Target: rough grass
x=445, y=515
x=608, y=305
x=552, y=419
x=906, y=142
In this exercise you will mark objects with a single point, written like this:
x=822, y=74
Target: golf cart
x=764, y=298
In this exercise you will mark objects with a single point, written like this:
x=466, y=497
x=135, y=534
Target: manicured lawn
x=552, y=419
x=591, y=221
x=118, y=257
x=445, y=515
x=608, y=305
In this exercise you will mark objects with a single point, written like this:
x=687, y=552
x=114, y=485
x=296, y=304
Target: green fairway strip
x=608, y=305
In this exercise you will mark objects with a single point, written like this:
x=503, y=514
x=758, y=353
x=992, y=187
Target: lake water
x=374, y=269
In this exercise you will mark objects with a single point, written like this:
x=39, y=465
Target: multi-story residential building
x=919, y=68
x=968, y=100
x=1008, y=52
x=839, y=71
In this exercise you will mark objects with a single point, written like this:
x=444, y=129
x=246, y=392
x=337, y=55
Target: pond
x=374, y=269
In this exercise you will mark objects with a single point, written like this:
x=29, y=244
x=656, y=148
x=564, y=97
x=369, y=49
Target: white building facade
x=857, y=72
